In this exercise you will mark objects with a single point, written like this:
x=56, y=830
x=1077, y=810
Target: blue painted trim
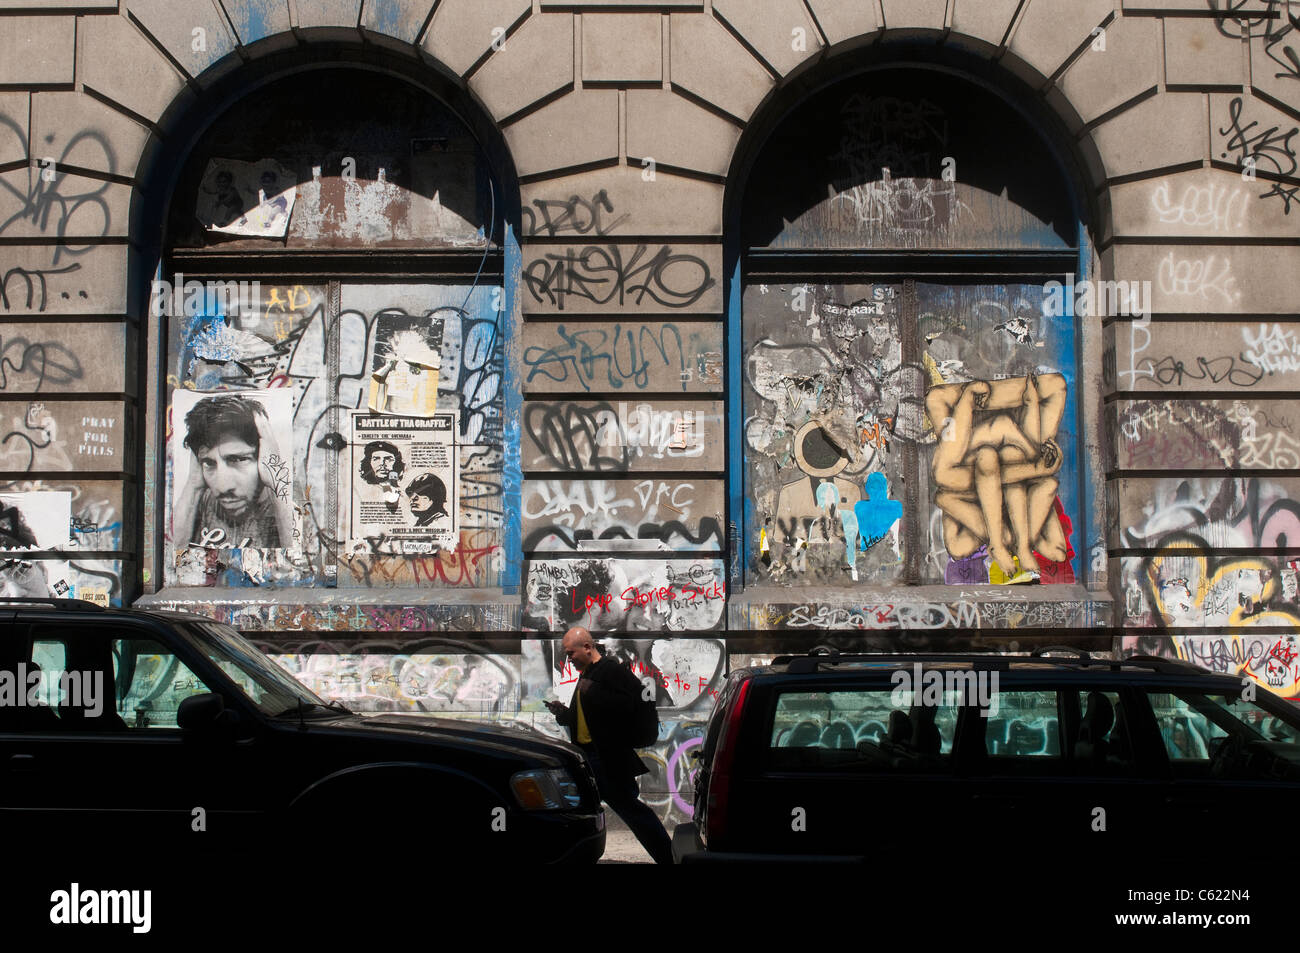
x=512, y=483
x=1090, y=526
x=737, y=511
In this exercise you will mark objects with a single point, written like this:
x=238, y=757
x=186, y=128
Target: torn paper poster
x=254, y=199
x=405, y=363
x=35, y=520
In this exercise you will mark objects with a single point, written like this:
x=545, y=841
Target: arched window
x=909, y=398
x=333, y=304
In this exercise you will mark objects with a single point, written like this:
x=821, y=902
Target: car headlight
x=545, y=790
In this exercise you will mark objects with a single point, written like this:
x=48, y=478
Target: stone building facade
x=724, y=327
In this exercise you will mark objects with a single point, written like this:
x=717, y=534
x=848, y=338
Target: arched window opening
x=333, y=302
x=910, y=409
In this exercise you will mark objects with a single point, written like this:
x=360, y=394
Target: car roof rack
x=802, y=664
x=72, y=605
x=815, y=660
x=1169, y=664
x=1080, y=654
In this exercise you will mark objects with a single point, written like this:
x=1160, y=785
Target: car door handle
x=22, y=762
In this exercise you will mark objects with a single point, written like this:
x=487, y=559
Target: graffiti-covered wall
x=890, y=321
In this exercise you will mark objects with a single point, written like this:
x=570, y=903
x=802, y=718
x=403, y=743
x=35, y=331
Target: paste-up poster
x=232, y=474
x=36, y=579
x=37, y=519
x=254, y=199
x=404, y=364
x=404, y=488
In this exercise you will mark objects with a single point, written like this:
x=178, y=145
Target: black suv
x=834, y=757
x=126, y=724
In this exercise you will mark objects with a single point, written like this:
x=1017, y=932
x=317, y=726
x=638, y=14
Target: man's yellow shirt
x=584, y=736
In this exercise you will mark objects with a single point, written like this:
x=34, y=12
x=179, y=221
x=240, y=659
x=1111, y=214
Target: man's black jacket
x=608, y=706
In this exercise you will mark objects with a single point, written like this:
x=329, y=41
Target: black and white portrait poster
x=37, y=519
x=232, y=472
x=404, y=489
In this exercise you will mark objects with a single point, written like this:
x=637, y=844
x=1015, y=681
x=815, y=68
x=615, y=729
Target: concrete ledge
x=918, y=607
x=318, y=610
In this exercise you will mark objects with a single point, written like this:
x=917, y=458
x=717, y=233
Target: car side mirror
x=201, y=712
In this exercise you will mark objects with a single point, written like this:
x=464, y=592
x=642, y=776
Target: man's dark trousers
x=620, y=792
x=609, y=694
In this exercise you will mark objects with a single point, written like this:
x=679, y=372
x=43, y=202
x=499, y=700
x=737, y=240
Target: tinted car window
x=1024, y=724
x=1104, y=741
x=1226, y=736
x=152, y=683
x=870, y=729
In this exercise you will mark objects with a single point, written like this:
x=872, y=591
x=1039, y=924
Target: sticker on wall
x=404, y=483
x=253, y=199
x=405, y=363
x=232, y=476
x=35, y=520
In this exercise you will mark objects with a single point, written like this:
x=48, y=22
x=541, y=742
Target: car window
x=103, y=680
x=1104, y=741
x=151, y=682
x=1226, y=736
x=1024, y=724
x=1188, y=734
x=862, y=729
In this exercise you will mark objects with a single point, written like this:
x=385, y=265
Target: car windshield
x=269, y=687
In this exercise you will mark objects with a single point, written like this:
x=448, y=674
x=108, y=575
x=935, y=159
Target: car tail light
x=715, y=818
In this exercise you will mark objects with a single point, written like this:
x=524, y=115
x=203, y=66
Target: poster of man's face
x=381, y=462
x=231, y=464
x=427, y=495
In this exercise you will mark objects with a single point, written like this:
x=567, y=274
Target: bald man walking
x=600, y=722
